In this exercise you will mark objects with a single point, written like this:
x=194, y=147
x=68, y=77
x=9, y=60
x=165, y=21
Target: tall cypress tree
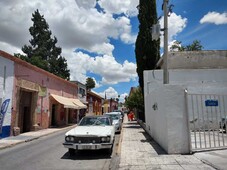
x=43, y=51
x=147, y=50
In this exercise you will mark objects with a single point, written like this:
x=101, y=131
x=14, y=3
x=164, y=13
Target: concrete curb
x=120, y=141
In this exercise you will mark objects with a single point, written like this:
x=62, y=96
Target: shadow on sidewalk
x=135, y=125
x=155, y=145
x=131, y=124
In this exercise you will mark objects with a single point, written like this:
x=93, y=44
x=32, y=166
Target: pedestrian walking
x=130, y=116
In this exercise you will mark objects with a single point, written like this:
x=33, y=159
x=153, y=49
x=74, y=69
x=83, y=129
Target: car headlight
x=105, y=139
x=69, y=139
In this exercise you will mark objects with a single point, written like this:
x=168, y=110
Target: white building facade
x=191, y=96
x=6, y=90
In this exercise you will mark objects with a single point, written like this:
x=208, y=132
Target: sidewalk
x=29, y=136
x=140, y=151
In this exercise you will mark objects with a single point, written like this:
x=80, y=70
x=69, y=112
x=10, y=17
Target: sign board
x=42, y=91
x=211, y=102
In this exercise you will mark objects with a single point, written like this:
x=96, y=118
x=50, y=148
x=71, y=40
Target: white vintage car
x=92, y=133
x=116, y=120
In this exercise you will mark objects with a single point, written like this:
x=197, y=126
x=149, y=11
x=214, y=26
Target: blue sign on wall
x=211, y=102
x=3, y=112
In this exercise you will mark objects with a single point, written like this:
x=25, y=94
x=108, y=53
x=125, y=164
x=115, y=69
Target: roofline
x=160, y=61
x=75, y=81
x=28, y=65
x=94, y=94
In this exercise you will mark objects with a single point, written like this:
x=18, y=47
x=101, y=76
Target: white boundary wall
x=6, y=66
x=168, y=122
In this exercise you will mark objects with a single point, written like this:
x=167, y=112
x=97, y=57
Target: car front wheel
x=110, y=150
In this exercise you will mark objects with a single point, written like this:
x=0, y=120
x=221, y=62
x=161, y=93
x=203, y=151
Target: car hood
x=90, y=131
x=115, y=121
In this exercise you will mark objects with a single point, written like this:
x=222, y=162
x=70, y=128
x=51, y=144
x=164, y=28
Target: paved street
x=48, y=153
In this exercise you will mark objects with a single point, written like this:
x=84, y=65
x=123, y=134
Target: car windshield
x=114, y=117
x=94, y=121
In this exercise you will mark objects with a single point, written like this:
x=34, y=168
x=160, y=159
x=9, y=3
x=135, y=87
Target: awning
x=79, y=103
x=69, y=102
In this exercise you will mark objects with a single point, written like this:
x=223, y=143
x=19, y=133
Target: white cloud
x=128, y=7
x=77, y=25
x=87, y=4
x=104, y=48
x=106, y=66
x=122, y=97
x=125, y=30
x=176, y=24
x=110, y=93
x=214, y=18
x=9, y=48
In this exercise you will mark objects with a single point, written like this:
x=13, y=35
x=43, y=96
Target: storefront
x=64, y=110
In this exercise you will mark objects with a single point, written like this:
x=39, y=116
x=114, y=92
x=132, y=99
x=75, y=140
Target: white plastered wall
x=6, y=86
x=168, y=124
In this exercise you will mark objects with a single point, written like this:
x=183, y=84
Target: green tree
x=90, y=83
x=135, y=101
x=42, y=50
x=147, y=50
x=195, y=46
x=35, y=60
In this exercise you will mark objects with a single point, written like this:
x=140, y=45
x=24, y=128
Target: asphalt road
x=48, y=153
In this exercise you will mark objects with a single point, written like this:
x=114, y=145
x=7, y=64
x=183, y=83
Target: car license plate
x=86, y=147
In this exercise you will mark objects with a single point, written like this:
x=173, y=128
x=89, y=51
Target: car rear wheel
x=71, y=151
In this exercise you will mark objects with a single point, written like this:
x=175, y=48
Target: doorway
x=25, y=111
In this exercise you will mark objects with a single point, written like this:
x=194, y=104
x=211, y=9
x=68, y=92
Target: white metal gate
x=207, y=115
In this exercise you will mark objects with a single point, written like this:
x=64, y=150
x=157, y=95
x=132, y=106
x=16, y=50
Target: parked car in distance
x=116, y=120
x=122, y=113
x=92, y=133
x=223, y=123
x=126, y=111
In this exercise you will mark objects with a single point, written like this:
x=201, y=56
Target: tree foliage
x=195, y=46
x=147, y=50
x=42, y=50
x=90, y=83
x=135, y=100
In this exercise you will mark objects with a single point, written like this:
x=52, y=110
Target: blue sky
x=98, y=38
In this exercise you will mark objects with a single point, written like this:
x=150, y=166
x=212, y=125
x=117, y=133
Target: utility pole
x=165, y=59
